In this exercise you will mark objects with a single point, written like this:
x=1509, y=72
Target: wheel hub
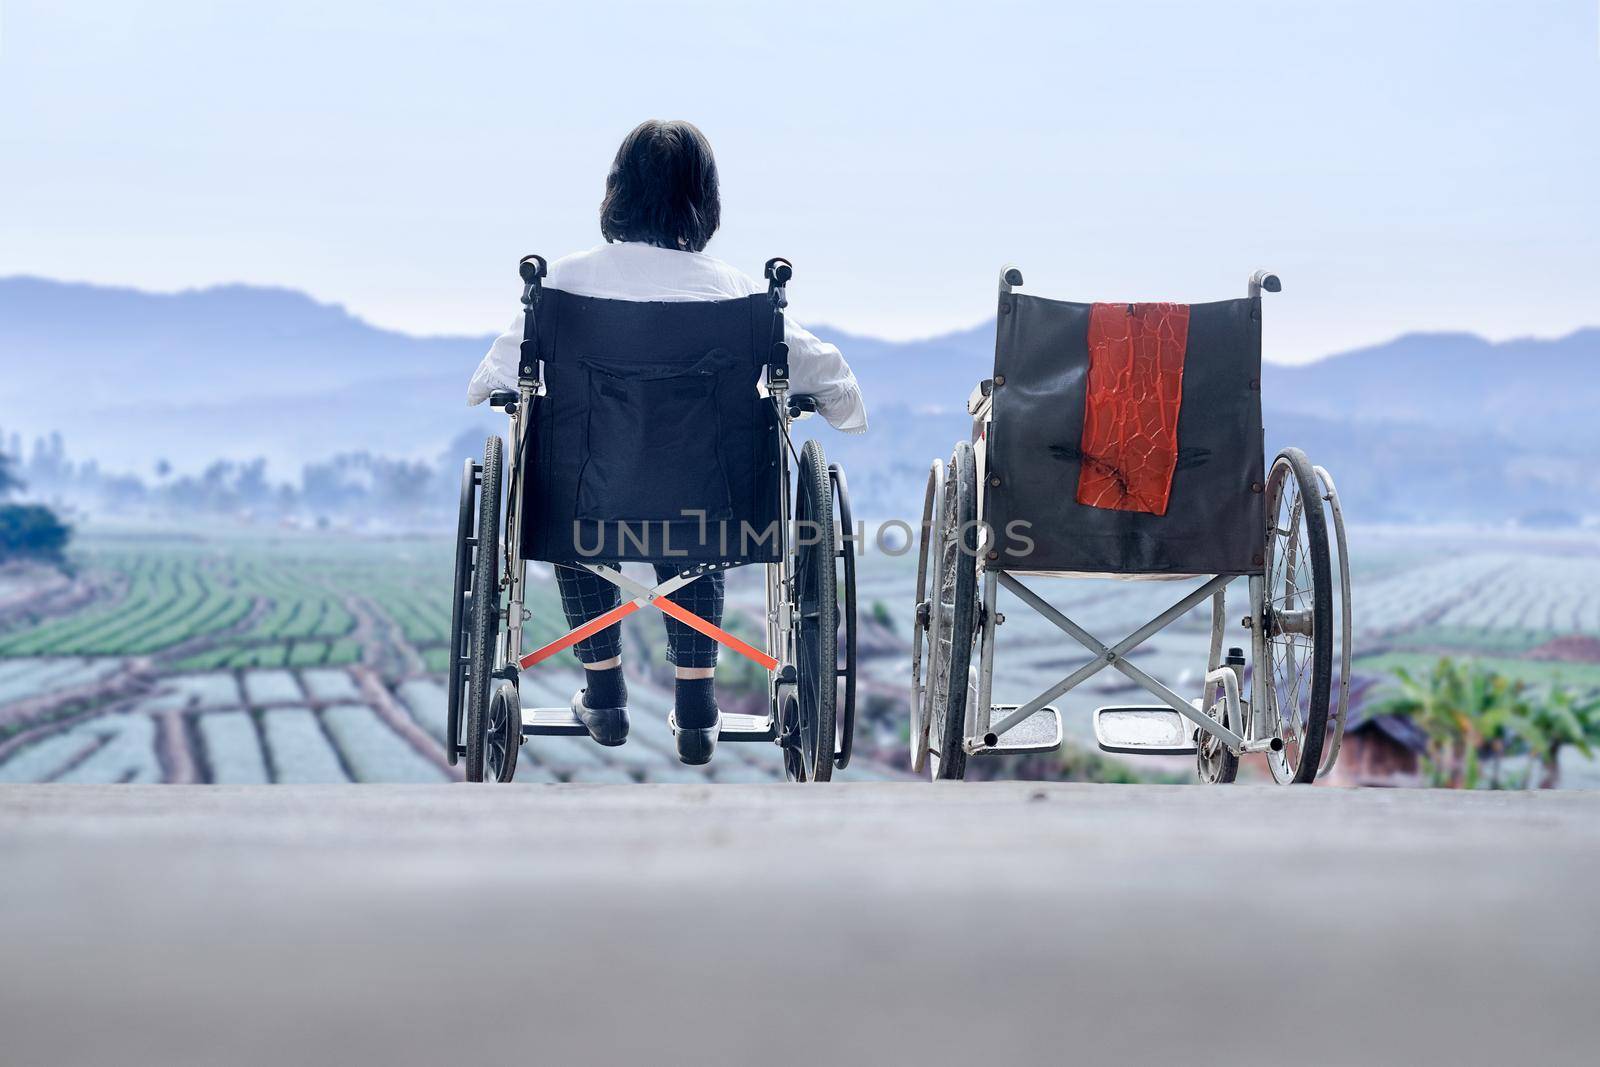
x=1289, y=621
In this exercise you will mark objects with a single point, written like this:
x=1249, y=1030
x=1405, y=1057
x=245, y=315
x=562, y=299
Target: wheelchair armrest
x=980, y=396
x=801, y=404
x=504, y=398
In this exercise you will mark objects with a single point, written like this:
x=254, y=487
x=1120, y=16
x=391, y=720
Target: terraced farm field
x=292, y=658
x=314, y=657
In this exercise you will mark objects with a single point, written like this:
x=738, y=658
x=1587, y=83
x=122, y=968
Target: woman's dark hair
x=662, y=188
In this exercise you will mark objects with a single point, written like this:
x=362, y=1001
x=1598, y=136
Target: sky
x=1404, y=165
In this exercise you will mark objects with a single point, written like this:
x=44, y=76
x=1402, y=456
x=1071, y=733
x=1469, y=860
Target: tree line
x=349, y=489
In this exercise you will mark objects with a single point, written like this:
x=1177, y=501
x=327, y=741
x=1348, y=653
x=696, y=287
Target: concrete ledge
x=881, y=923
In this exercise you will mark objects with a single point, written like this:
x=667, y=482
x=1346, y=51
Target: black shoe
x=608, y=726
x=695, y=745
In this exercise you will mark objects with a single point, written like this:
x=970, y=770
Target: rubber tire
x=961, y=497
x=1315, y=519
x=814, y=503
x=922, y=632
x=794, y=767
x=485, y=613
x=846, y=553
x=452, y=714
x=510, y=702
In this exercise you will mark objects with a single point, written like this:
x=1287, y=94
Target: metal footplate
x=1039, y=732
x=737, y=727
x=1144, y=730
x=552, y=721
x=562, y=722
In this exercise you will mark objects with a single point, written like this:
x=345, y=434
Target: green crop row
x=236, y=602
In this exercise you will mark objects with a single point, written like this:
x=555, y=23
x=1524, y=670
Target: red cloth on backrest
x=1130, y=419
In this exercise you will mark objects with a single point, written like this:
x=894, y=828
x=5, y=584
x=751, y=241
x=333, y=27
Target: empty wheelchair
x=638, y=432
x=1125, y=440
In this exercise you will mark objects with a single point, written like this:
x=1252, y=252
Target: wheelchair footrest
x=562, y=722
x=1039, y=732
x=737, y=727
x=552, y=721
x=1144, y=730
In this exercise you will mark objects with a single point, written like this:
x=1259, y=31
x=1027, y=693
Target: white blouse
x=633, y=271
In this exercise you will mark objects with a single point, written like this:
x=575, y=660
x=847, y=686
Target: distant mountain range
x=1426, y=425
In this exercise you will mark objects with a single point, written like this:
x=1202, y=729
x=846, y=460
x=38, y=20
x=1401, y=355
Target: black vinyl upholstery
x=651, y=442
x=1215, y=523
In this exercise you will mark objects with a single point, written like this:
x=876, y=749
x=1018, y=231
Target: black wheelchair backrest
x=1178, y=488
x=651, y=441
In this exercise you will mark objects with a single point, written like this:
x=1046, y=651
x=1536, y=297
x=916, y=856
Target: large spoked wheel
x=816, y=600
x=954, y=610
x=502, y=734
x=1297, y=618
x=483, y=611
x=460, y=649
x=922, y=634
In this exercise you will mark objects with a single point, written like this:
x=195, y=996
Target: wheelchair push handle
x=532, y=268
x=779, y=271
x=1264, y=280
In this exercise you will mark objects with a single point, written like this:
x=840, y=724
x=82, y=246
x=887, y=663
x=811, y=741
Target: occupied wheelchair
x=1125, y=441
x=654, y=431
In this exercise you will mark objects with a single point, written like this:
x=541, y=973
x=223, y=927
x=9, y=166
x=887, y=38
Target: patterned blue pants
x=585, y=596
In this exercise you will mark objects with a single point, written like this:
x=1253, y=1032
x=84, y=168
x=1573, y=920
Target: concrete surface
x=873, y=923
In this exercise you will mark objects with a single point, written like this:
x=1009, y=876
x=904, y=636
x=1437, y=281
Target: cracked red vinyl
x=1130, y=419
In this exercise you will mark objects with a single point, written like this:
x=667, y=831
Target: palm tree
x=1564, y=718
x=1468, y=714
x=1474, y=716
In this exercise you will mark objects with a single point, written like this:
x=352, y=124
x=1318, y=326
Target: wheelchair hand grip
x=1264, y=280
x=532, y=268
x=779, y=270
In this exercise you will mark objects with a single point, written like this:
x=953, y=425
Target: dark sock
x=695, y=703
x=604, y=689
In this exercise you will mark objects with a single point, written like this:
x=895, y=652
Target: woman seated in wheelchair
x=660, y=209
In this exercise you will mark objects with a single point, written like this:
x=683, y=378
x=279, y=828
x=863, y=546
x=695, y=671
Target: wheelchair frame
x=816, y=734
x=1224, y=725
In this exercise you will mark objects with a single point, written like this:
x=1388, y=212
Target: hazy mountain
x=235, y=371
x=1426, y=424
x=1449, y=424
x=936, y=373
x=112, y=346
x=1529, y=391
